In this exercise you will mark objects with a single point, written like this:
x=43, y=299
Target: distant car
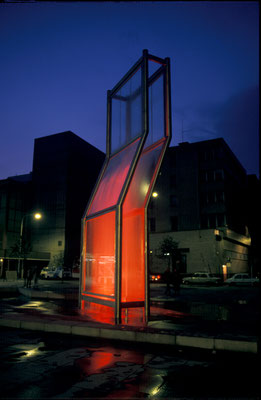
x=55, y=273
x=76, y=273
x=48, y=273
x=242, y=279
x=202, y=278
x=155, y=278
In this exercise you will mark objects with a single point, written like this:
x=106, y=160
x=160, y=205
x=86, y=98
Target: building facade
x=206, y=203
x=201, y=204
x=65, y=169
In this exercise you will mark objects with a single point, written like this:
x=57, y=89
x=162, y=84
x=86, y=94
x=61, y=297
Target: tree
x=169, y=248
x=58, y=260
x=21, y=253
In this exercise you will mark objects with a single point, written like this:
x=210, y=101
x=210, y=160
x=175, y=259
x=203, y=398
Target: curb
x=47, y=294
x=81, y=329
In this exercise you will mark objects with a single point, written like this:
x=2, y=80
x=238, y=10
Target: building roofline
x=69, y=134
x=216, y=140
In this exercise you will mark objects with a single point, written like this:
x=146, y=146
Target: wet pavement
x=36, y=365
x=171, y=322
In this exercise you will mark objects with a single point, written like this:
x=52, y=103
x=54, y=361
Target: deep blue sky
x=59, y=59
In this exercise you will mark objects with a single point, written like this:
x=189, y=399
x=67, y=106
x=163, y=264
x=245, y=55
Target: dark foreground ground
x=38, y=365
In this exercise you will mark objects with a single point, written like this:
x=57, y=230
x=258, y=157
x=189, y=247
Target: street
x=38, y=365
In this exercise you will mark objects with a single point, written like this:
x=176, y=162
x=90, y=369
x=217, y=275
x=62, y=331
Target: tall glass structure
x=114, y=284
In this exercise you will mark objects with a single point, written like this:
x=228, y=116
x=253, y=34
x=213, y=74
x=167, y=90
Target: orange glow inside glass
x=133, y=225
x=99, y=255
x=113, y=179
x=101, y=232
x=133, y=267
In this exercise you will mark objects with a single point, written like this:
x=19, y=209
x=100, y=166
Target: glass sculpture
x=114, y=284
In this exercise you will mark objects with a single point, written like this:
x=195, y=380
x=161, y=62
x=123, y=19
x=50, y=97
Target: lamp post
x=36, y=216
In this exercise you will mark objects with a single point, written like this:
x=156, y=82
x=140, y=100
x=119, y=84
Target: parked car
x=64, y=273
x=55, y=273
x=48, y=273
x=76, y=273
x=155, y=278
x=241, y=279
x=202, y=278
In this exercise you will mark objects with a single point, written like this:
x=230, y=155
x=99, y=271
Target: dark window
x=210, y=176
x=220, y=197
x=152, y=225
x=221, y=220
x=174, y=223
x=203, y=176
x=212, y=221
x=209, y=155
x=219, y=175
x=173, y=181
x=60, y=242
x=211, y=197
x=173, y=160
x=173, y=201
x=204, y=221
x=204, y=199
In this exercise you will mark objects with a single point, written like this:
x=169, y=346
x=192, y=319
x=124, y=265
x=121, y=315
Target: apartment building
x=201, y=203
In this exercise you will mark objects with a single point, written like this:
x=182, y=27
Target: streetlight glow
x=37, y=216
x=154, y=194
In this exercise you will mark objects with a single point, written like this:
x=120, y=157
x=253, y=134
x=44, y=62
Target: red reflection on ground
x=134, y=316
x=96, y=362
x=106, y=357
x=98, y=312
x=163, y=312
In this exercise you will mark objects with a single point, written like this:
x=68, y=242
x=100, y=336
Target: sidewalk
x=167, y=327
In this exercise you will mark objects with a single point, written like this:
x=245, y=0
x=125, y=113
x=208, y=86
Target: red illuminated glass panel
x=133, y=267
x=113, y=179
x=142, y=180
x=116, y=217
x=133, y=225
x=99, y=256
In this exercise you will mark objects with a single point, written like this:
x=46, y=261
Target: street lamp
x=36, y=216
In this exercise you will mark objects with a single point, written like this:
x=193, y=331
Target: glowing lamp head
x=154, y=194
x=37, y=216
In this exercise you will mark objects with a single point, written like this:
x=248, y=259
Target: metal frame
x=146, y=82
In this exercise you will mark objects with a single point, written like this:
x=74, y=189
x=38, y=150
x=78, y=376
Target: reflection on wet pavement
x=37, y=366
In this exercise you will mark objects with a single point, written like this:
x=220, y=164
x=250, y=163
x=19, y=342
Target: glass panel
x=113, y=179
x=133, y=225
x=126, y=115
x=156, y=111
x=153, y=67
x=133, y=262
x=133, y=210
x=99, y=255
x=140, y=184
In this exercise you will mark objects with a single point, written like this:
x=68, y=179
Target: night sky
x=59, y=59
